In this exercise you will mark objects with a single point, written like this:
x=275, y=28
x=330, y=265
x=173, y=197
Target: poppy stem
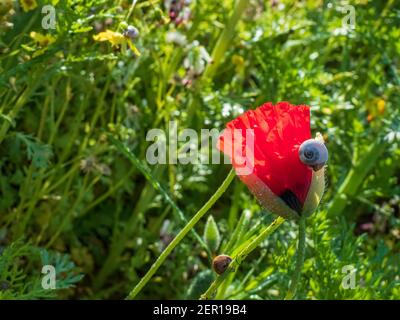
x=238, y=259
x=299, y=260
x=189, y=226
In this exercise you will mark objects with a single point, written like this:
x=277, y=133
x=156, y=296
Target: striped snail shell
x=313, y=153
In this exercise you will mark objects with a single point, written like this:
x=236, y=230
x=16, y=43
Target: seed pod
x=220, y=263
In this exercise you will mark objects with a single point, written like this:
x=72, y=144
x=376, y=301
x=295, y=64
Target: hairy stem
x=189, y=226
x=299, y=260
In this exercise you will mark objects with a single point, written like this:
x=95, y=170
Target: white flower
x=176, y=37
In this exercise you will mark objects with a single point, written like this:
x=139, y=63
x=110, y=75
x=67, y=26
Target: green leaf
x=200, y=284
x=65, y=268
x=37, y=152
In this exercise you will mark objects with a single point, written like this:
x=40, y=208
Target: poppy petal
x=276, y=132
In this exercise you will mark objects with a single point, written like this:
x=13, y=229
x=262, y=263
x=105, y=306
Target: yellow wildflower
x=375, y=108
x=381, y=106
x=41, y=39
x=238, y=61
x=116, y=39
x=28, y=5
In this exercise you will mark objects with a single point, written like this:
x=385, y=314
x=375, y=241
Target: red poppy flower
x=264, y=146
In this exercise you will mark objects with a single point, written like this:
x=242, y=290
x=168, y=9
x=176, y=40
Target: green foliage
x=79, y=202
x=37, y=152
x=200, y=284
x=21, y=272
x=64, y=267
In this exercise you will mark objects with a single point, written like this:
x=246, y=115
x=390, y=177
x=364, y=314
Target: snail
x=131, y=32
x=313, y=153
x=220, y=263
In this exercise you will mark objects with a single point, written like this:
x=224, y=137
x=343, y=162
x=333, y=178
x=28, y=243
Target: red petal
x=278, y=133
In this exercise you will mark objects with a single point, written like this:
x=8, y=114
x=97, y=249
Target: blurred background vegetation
x=69, y=198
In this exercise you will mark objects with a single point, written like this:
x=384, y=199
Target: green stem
x=157, y=186
x=225, y=38
x=120, y=238
x=299, y=260
x=189, y=226
x=217, y=55
x=15, y=111
x=240, y=257
x=355, y=177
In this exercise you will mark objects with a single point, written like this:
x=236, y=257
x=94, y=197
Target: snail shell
x=220, y=263
x=313, y=153
x=131, y=32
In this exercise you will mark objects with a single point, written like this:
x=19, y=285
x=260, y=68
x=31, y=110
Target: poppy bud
x=287, y=179
x=211, y=234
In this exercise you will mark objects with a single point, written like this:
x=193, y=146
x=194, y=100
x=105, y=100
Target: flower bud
x=211, y=234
